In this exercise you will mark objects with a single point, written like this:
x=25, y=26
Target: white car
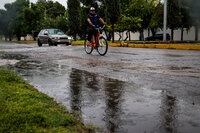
x=53, y=37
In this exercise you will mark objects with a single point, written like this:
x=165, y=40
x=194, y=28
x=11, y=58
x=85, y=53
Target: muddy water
x=116, y=106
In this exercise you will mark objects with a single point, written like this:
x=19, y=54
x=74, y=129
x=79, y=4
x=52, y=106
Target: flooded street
x=130, y=90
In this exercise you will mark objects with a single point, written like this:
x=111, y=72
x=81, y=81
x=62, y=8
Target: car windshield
x=56, y=32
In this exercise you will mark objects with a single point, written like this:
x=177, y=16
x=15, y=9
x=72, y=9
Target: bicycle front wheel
x=88, y=47
x=102, y=46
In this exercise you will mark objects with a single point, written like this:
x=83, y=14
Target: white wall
x=187, y=35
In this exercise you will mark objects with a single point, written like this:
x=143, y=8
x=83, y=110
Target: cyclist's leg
x=95, y=32
x=89, y=34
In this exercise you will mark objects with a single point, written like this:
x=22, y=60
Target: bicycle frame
x=94, y=43
x=97, y=36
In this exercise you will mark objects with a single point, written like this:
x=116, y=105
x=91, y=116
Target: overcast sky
x=3, y=2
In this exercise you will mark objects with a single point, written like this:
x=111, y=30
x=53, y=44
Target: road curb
x=159, y=46
x=77, y=43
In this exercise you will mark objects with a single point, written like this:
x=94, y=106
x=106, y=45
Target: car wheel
x=68, y=43
x=39, y=43
x=50, y=42
x=55, y=44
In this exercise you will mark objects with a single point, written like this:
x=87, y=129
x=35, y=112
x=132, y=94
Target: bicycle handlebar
x=100, y=28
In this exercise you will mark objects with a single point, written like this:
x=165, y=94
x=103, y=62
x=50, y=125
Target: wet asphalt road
x=130, y=90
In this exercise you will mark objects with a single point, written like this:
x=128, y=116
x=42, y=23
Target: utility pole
x=165, y=21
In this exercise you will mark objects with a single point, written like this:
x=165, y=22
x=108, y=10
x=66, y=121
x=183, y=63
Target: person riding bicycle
x=93, y=22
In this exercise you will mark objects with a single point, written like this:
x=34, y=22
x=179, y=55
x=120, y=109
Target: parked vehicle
x=53, y=37
x=157, y=37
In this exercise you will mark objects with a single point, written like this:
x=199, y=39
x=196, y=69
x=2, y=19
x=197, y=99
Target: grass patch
x=24, y=109
x=79, y=41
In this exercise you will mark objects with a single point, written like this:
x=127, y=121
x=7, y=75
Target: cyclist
x=93, y=22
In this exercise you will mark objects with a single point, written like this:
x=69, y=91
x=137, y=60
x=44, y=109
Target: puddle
x=13, y=56
x=174, y=55
x=123, y=53
x=179, y=68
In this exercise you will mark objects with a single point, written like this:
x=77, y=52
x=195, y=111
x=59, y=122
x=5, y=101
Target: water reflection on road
x=88, y=91
x=117, y=106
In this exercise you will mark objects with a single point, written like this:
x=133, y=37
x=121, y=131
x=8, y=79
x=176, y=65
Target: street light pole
x=165, y=20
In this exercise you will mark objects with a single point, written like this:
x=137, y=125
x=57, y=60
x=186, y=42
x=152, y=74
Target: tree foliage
x=74, y=16
x=22, y=17
x=18, y=19
x=113, y=11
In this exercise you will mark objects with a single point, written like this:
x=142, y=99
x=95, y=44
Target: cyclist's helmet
x=92, y=9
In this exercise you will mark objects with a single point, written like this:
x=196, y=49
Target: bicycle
x=99, y=43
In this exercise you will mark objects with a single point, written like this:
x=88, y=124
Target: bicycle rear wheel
x=88, y=47
x=102, y=46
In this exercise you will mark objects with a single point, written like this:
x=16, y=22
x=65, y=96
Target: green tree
x=44, y=15
x=62, y=22
x=174, y=16
x=52, y=9
x=129, y=24
x=74, y=17
x=124, y=6
x=113, y=12
x=13, y=17
x=156, y=21
x=2, y=27
x=142, y=9
x=194, y=10
x=6, y=18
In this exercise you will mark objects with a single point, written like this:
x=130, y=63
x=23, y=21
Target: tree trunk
x=129, y=36
x=141, y=35
x=120, y=36
x=75, y=37
x=148, y=32
x=196, y=33
x=10, y=38
x=113, y=33
x=182, y=30
x=108, y=36
x=126, y=36
x=18, y=38
x=172, y=34
x=153, y=31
